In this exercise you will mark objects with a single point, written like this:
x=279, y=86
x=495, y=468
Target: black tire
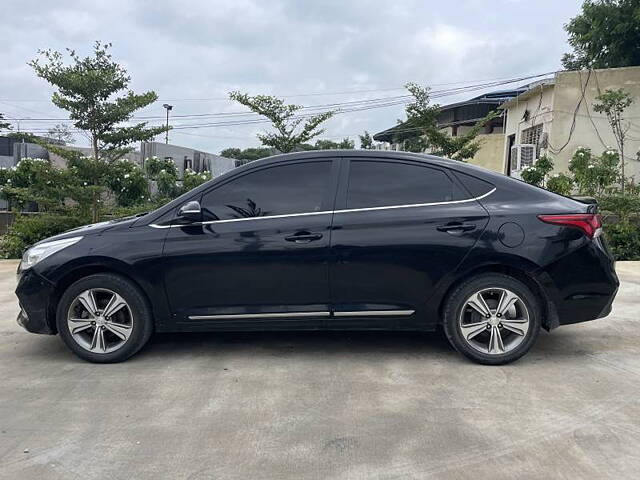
x=456, y=302
x=137, y=303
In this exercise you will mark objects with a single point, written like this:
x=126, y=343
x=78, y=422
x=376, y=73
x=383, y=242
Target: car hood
x=93, y=229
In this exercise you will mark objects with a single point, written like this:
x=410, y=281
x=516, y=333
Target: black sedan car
x=338, y=240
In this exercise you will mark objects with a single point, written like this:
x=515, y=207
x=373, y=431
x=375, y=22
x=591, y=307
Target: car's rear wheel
x=492, y=319
x=104, y=318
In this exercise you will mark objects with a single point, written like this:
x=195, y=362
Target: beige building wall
x=555, y=105
x=592, y=129
x=490, y=155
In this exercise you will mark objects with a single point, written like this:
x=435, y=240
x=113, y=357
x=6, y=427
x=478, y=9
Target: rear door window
x=381, y=183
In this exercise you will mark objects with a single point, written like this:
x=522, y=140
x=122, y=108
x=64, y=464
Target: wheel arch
x=548, y=308
x=66, y=279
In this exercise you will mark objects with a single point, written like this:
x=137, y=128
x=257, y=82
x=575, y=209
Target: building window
x=531, y=136
x=188, y=164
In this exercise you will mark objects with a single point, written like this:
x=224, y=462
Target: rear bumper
x=584, y=284
x=34, y=293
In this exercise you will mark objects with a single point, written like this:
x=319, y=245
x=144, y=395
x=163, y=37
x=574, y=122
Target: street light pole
x=169, y=108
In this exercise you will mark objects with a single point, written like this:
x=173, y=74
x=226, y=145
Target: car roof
x=458, y=165
x=389, y=154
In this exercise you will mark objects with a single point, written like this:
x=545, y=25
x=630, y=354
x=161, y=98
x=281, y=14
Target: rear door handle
x=454, y=228
x=303, y=237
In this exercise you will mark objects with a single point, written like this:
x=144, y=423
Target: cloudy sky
x=313, y=52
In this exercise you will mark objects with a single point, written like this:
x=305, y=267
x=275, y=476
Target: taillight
x=589, y=223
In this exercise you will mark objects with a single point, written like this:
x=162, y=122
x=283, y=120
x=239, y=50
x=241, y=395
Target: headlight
x=34, y=254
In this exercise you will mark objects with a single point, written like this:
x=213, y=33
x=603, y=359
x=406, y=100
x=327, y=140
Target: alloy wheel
x=494, y=321
x=100, y=320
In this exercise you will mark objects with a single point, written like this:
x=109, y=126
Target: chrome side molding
x=357, y=313
x=349, y=210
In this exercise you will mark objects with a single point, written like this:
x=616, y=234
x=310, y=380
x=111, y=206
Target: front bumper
x=34, y=293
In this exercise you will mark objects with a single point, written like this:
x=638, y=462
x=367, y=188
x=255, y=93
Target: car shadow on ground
x=557, y=346
x=310, y=342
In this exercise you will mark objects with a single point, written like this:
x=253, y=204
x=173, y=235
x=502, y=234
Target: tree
x=421, y=132
x=290, y=131
x=60, y=133
x=4, y=125
x=613, y=103
x=366, y=141
x=605, y=35
x=247, y=155
x=344, y=144
x=87, y=89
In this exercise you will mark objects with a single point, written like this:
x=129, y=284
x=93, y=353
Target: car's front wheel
x=104, y=318
x=492, y=319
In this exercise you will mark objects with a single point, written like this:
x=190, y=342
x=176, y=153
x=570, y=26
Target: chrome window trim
x=348, y=210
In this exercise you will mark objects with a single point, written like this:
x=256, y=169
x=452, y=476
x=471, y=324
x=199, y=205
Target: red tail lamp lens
x=589, y=223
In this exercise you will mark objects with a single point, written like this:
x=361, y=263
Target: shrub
x=29, y=229
x=560, y=183
x=594, y=175
x=624, y=205
x=536, y=174
x=623, y=240
x=128, y=183
x=192, y=179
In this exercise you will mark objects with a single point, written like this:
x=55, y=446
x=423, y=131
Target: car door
x=260, y=255
x=399, y=227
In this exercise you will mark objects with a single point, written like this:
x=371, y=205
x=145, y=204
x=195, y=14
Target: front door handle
x=303, y=237
x=456, y=228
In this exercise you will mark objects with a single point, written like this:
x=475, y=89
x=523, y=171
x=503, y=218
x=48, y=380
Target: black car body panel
x=341, y=259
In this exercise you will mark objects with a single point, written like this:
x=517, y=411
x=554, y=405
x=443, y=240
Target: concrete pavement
x=323, y=405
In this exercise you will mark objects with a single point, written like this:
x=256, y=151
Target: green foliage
x=34, y=180
x=128, y=183
x=4, y=125
x=605, y=35
x=421, y=131
x=366, y=141
x=29, y=229
x=87, y=89
x=560, y=183
x=344, y=144
x=154, y=166
x=613, y=103
x=247, y=155
x=594, y=175
x=623, y=239
x=536, y=174
x=88, y=184
x=623, y=205
x=165, y=173
x=60, y=133
x=539, y=174
x=193, y=179
x=287, y=135
x=122, y=212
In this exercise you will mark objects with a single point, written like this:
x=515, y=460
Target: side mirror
x=190, y=212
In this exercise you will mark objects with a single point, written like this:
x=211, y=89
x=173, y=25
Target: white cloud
x=203, y=49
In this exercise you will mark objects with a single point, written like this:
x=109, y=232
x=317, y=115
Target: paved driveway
x=305, y=405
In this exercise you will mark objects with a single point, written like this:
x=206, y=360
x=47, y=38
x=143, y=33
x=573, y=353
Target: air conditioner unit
x=523, y=155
